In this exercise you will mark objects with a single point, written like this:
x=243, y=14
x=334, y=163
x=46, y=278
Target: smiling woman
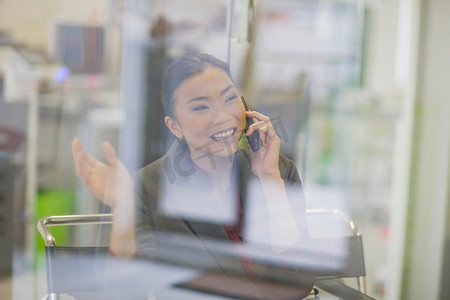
x=203, y=186
x=208, y=111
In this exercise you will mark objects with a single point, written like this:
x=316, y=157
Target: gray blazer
x=173, y=172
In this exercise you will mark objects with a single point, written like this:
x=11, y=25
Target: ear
x=173, y=127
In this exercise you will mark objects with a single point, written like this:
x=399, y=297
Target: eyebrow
x=206, y=98
x=226, y=89
x=197, y=99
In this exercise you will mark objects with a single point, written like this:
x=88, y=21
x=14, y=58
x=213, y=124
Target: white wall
x=28, y=20
x=381, y=43
x=429, y=183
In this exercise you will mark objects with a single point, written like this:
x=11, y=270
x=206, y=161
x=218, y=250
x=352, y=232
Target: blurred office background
x=357, y=91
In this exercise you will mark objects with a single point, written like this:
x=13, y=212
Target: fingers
x=75, y=151
x=82, y=165
x=79, y=151
x=257, y=115
x=79, y=157
x=110, y=154
x=262, y=124
x=84, y=161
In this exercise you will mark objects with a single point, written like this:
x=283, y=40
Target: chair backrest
x=335, y=235
x=78, y=271
x=75, y=270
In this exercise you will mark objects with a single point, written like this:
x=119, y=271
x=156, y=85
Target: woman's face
x=209, y=114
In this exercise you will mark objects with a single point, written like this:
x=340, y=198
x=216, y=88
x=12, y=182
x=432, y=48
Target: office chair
x=343, y=253
x=73, y=270
x=65, y=264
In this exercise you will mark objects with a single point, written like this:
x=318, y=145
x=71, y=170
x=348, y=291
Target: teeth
x=223, y=134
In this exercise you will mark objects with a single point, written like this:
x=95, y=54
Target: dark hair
x=183, y=68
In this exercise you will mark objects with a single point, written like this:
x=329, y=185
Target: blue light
x=62, y=74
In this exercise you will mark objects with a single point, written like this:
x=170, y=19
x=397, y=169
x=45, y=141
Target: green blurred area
x=51, y=203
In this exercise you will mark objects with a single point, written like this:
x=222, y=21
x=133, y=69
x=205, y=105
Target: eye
x=231, y=98
x=199, y=107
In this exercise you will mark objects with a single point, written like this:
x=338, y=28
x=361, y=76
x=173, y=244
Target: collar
x=179, y=162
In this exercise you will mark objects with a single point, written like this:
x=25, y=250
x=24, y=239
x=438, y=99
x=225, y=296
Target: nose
x=221, y=115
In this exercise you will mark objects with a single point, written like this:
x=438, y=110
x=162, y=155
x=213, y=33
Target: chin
x=224, y=149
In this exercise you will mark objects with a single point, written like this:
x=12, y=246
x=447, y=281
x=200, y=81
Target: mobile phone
x=253, y=139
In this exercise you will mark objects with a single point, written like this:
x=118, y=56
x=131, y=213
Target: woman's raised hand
x=111, y=183
x=265, y=160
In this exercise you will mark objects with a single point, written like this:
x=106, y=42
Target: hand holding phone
x=253, y=139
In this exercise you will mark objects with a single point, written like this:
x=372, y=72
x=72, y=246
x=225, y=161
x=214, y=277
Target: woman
x=201, y=186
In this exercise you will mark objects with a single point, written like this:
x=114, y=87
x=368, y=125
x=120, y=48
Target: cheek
x=240, y=116
x=194, y=125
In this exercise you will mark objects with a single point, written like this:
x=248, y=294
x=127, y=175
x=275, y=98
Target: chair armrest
x=45, y=222
x=338, y=213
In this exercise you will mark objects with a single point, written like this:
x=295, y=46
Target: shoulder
x=147, y=180
x=147, y=185
x=154, y=170
x=151, y=170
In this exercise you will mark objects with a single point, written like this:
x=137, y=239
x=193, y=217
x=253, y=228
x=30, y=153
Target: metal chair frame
x=97, y=219
x=355, y=232
x=50, y=243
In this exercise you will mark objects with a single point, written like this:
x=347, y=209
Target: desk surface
x=133, y=279
x=165, y=277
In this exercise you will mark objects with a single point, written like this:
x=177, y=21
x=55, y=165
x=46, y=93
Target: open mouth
x=223, y=135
